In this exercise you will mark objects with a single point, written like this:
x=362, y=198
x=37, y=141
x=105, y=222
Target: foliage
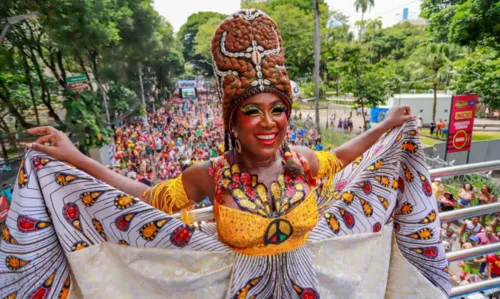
x=203, y=39
x=108, y=41
x=85, y=119
x=479, y=73
x=465, y=22
x=432, y=63
x=187, y=35
x=366, y=83
x=396, y=42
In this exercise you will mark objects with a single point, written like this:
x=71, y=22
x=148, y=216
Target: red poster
x=463, y=110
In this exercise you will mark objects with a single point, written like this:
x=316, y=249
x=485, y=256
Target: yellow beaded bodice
x=257, y=233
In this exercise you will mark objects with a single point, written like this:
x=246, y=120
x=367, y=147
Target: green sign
x=76, y=79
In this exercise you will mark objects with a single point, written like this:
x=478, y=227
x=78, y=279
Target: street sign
x=78, y=83
x=76, y=79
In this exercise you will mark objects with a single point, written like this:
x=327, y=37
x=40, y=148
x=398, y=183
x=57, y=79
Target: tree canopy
x=107, y=41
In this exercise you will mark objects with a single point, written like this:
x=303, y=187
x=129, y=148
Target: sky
x=177, y=12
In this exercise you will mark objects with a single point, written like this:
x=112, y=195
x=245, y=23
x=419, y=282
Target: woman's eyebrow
x=260, y=104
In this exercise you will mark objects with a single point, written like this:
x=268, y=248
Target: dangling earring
x=237, y=143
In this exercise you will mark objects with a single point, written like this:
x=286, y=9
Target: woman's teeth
x=266, y=137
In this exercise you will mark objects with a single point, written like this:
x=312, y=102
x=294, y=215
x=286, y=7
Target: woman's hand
x=60, y=147
x=397, y=116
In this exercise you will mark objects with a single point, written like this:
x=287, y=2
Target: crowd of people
x=181, y=133
x=473, y=232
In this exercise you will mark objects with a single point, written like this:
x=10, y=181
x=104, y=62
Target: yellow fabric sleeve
x=168, y=196
x=328, y=165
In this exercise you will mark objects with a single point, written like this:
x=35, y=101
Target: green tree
x=187, y=34
x=202, y=42
x=372, y=27
x=433, y=63
x=465, y=22
x=364, y=6
x=360, y=78
x=479, y=73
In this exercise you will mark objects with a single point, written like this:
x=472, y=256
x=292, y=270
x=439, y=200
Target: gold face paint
x=252, y=111
x=278, y=109
x=255, y=111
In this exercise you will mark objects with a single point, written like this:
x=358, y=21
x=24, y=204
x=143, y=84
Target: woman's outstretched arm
x=354, y=148
x=61, y=148
x=196, y=180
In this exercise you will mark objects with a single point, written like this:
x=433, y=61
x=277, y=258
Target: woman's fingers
x=45, y=130
x=47, y=149
x=47, y=138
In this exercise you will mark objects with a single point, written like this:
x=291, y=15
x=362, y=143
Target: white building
x=421, y=105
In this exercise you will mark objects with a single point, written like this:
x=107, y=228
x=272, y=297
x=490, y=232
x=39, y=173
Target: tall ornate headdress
x=248, y=58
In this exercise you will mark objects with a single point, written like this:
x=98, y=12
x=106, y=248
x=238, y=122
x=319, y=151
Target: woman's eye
x=251, y=111
x=278, y=109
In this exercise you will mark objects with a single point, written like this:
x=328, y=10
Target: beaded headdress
x=248, y=58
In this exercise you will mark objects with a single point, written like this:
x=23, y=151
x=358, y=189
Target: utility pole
x=317, y=46
x=142, y=92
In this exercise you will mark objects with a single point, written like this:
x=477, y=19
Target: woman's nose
x=267, y=120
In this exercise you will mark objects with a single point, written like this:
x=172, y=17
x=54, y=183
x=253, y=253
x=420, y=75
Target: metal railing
x=459, y=291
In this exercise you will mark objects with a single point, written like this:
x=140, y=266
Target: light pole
x=142, y=93
x=16, y=19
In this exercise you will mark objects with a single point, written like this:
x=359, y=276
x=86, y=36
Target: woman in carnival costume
x=290, y=222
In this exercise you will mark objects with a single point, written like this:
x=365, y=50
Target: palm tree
x=363, y=5
x=433, y=63
x=372, y=26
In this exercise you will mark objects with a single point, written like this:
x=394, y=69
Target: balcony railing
x=460, y=291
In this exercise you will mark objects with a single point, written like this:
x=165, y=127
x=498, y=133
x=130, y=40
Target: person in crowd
x=448, y=238
x=469, y=228
x=446, y=128
x=7, y=192
x=493, y=261
x=437, y=190
x=432, y=127
x=269, y=215
x=420, y=124
x=466, y=195
x=340, y=125
x=368, y=125
x=470, y=267
x=318, y=146
x=486, y=237
x=485, y=197
x=439, y=128
x=448, y=202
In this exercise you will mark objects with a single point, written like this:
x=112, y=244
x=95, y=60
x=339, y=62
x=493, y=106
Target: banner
x=463, y=110
x=186, y=84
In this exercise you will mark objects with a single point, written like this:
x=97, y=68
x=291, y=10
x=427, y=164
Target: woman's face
x=468, y=187
x=485, y=189
x=260, y=123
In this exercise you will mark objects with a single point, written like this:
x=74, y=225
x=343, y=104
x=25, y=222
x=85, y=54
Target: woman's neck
x=253, y=163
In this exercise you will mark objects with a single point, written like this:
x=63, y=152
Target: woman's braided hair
x=249, y=58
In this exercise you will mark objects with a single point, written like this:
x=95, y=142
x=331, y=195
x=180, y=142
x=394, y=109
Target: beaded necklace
x=252, y=196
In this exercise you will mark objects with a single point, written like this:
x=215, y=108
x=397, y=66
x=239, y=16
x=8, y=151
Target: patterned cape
x=69, y=234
